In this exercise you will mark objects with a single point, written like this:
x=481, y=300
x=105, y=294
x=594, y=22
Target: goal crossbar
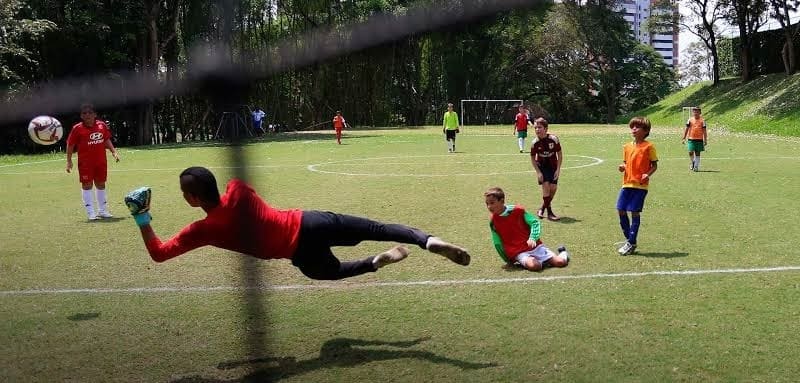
x=487, y=101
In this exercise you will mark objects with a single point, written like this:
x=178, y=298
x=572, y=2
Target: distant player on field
x=516, y=235
x=338, y=124
x=639, y=162
x=546, y=158
x=698, y=138
x=521, y=123
x=258, y=119
x=241, y=221
x=91, y=137
x=450, y=127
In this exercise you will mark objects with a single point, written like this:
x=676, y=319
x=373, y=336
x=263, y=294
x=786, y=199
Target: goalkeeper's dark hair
x=202, y=184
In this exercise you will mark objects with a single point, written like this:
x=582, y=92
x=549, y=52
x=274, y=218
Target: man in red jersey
x=242, y=221
x=92, y=138
x=521, y=122
x=338, y=124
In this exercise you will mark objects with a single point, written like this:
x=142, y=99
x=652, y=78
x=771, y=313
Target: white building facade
x=636, y=13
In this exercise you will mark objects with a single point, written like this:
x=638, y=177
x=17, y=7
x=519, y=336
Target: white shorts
x=541, y=254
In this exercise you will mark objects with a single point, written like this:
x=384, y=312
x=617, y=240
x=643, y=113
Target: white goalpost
x=488, y=113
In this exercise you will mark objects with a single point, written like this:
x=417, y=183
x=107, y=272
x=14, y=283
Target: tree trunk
x=715, y=62
x=744, y=53
x=787, y=54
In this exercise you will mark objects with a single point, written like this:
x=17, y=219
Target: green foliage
x=17, y=34
x=548, y=54
x=647, y=79
x=767, y=104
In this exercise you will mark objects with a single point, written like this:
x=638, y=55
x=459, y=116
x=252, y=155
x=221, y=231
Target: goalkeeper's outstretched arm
x=138, y=202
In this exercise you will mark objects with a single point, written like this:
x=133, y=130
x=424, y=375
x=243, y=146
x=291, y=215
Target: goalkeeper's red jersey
x=242, y=222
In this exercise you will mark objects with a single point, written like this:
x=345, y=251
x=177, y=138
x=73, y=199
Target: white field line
x=350, y=162
x=358, y=285
x=62, y=171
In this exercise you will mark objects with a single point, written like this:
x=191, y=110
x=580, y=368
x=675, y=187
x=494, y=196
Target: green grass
x=767, y=104
x=585, y=322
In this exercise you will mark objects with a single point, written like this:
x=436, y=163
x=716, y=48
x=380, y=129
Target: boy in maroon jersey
x=91, y=137
x=516, y=235
x=546, y=158
x=241, y=221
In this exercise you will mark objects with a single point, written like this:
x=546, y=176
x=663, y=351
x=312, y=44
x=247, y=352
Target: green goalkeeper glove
x=138, y=202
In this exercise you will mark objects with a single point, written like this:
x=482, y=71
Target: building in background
x=636, y=13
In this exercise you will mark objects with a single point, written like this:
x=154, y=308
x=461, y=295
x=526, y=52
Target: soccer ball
x=45, y=130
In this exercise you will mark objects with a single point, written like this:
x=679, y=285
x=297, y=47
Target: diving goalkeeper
x=242, y=221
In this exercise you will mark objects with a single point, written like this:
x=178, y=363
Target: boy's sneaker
x=104, y=214
x=93, y=217
x=627, y=249
x=393, y=255
x=540, y=213
x=448, y=250
x=552, y=216
x=563, y=253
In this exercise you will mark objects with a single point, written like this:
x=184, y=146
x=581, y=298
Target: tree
x=748, y=16
x=647, y=78
x=703, y=21
x=696, y=64
x=15, y=30
x=780, y=11
x=606, y=52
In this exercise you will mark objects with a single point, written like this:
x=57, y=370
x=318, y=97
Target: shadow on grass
x=108, y=220
x=339, y=352
x=674, y=254
x=83, y=316
x=566, y=220
x=708, y=171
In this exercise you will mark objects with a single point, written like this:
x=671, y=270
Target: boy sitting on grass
x=516, y=235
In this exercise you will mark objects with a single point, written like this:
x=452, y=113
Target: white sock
x=101, y=201
x=88, y=202
x=697, y=162
x=450, y=145
x=521, y=143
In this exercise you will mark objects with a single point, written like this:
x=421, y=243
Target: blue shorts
x=631, y=199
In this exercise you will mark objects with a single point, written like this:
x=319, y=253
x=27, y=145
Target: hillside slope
x=767, y=104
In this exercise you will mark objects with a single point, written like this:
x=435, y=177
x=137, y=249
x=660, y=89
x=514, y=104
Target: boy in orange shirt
x=698, y=138
x=639, y=162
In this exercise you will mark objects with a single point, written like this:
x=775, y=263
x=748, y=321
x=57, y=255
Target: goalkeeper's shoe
x=395, y=254
x=448, y=250
x=138, y=201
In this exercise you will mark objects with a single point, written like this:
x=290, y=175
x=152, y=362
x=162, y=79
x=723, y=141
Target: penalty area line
x=355, y=285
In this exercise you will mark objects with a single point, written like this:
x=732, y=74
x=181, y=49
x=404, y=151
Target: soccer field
x=711, y=294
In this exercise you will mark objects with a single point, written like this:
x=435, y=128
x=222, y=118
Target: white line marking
x=62, y=171
x=315, y=167
x=357, y=285
x=32, y=163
